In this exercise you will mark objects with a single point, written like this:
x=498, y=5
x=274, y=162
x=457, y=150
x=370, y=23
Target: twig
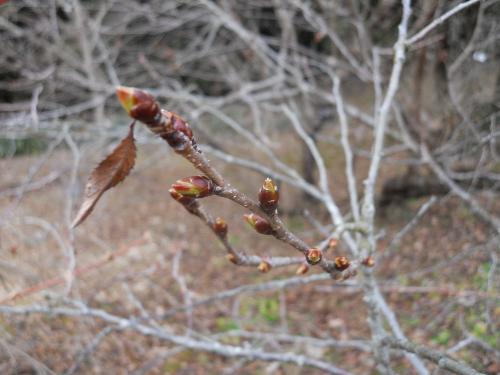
x=439, y=358
x=230, y=351
x=419, y=35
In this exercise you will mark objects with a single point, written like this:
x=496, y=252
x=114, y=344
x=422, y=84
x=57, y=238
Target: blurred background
x=229, y=67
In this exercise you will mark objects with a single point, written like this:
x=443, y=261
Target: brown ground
x=140, y=209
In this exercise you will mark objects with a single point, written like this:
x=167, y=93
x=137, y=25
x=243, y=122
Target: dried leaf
x=108, y=174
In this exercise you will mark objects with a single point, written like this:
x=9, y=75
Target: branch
x=211, y=346
x=439, y=358
x=438, y=21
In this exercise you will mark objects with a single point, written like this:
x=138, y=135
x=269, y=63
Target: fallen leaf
x=110, y=172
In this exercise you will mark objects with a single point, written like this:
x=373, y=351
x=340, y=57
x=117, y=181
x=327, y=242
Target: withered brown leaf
x=110, y=172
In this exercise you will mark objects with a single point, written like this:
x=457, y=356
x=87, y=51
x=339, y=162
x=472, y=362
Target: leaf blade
x=108, y=173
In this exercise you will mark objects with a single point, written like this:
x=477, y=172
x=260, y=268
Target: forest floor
x=436, y=280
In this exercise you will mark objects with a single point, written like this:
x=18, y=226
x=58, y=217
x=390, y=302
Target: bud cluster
x=143, y=107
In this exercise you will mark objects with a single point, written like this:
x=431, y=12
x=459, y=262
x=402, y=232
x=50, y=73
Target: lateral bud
x=194, y=187
x=220, y=227
x=258, y=223
x=264, y=266
x=302, y=270
x=232, y=258
x=368, y=261
x=332, y=244
x=177, y=123
x=269, y=195
x=314, y=256
x=342, y=263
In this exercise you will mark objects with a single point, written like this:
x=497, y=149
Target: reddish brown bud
x=332, y=244
x=179, y=197
x=258, y=223
x=194, y=186
x=368, y=262
x=220, y=227
x=139, y=104
x=232, y=258
x=302, y=270
x=313, y=256
x=264, y=267
x=180, y=125
x=341, y=263
x=269, y=195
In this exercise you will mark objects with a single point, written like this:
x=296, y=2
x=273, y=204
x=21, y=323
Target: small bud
x=232, y=258
x=258, y=223
x=332, y=244
x=179, y=197
x=341, y=263
x=180, y=125
x=220, y=227
x=264, y=266
x=139, y=104
x=269, y=195
x=368, y=262
x=302, y=270
x=194, y=186
x=313, y=256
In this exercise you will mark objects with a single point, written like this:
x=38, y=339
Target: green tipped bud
x=194, y=187
x=258, y=223
x=269, y=195
x=139, y=104
x=314, y=256
x=179, y=197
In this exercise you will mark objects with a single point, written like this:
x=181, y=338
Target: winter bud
x=139, y=104
x=179, y=197
x=332, y=244
x=220, y=227
x=302, y=270
x=341, y=263
x=232, y=258
x=180, y=125
x=194, y=186
x=313, y=256
x=264, y=266
x=368, y=262
x=269, y=195
x=258, y=223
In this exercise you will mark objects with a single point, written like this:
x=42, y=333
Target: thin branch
x=438, y=21
x=439, y=358
x=215, y=347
